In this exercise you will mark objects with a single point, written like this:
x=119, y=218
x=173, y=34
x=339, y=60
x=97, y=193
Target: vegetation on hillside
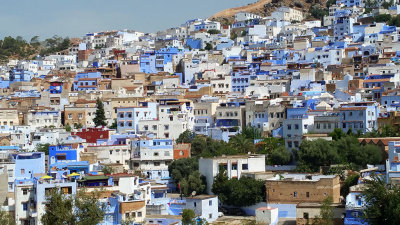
x=18, y=48
x=80, y=209
x=241, y=192
x=382, y=202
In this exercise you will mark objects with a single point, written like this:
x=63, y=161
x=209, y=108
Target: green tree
x=317, y=12
x=348, y=182
x=209, y=46
x=382, y=202
x=337, y=134
x=88, y=210
x=35, y=41
x=317, y=153
x=243, y=192
x=81, y=209
x=214, y=31
x=59, y=209
x=194, y=183
x=43, y=148
x=107, y=170
x=114, y=125
x=68, y=127
x=279, y=156
x=386, y=5
x=242, y=144
x=251, y=132
x=6, y=218
x=182, y=168
x=78, y=125
x=233, y=36
x=326, y=213
x=395, y=21
x=186, y=136
x=100, y=118
x=271, y=143
x=330, y=2
x=188, y=217
x=351, y=151
x=382, y=18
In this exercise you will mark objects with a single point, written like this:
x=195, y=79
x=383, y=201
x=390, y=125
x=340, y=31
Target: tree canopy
x=382, y=202
x=185, y=172
x=343, y=149
x=100, y=118
x=241, y=192
x=81, y=209
x=18, y=48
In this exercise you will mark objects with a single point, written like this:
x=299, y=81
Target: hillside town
x=292, y=118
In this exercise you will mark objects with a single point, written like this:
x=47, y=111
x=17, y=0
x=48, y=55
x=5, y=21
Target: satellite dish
x=193, y=193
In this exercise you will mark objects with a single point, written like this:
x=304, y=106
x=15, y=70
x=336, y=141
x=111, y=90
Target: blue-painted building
x=393, y=163
x=154, y=61
x=241, y=80
x=62, y=154
x=18, y=75
x=359, y=116
x=86, y=81
x=28, y=164
x=152, y=156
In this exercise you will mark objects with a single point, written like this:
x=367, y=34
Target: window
x=289, y=126
x=154, y=127
x=24, y=191
x=166, y=127
x=234, y=166
x=210, y=216
x=295, y=194
x=67, y=190
x=25, y=206
x=245, y=166
x=156, y=163
x=139, y=214
x=194, y=204
x=22, y=171
x=210, y=203
x=305, y=216
x=146, y=127
x=307, y=194
x=296, y=126
x=155, y=153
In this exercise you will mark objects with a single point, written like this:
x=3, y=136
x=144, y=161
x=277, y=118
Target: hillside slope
x=264, y=8
x=247, y=8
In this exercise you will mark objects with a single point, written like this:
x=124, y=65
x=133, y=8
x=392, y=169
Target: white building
x=233, y=165
x=287, y=14
x=243, y=16
x=204, y=206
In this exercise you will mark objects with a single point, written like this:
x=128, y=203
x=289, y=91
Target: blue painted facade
x=359, y=116
x=154, y=61
x=28, y=164
x=62, y=153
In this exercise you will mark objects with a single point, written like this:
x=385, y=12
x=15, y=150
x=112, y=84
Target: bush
x=318, y=13
x=382, y=18
x=214, y=31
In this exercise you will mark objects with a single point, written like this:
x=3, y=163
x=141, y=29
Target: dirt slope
x=227, y=13
x=264, y=8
